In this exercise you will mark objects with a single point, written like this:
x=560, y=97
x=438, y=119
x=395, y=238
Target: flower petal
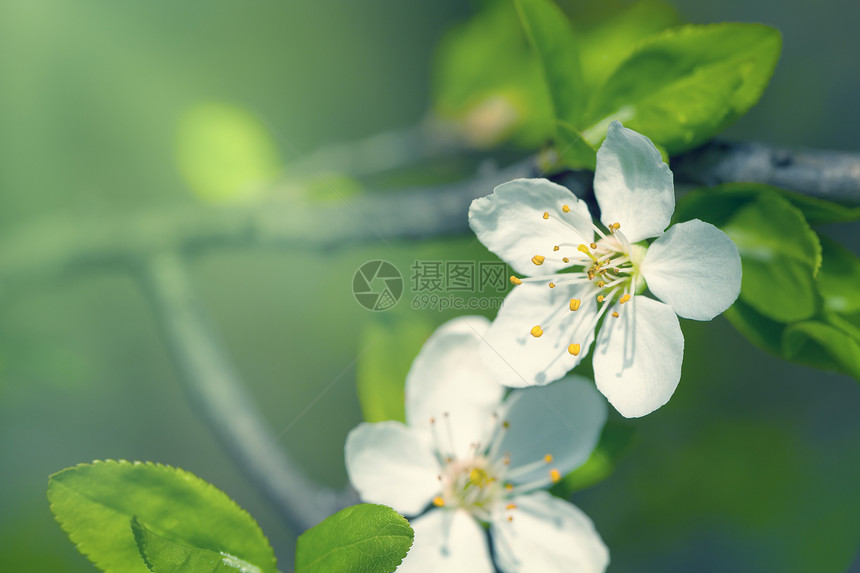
x=637, y=358
x=516, y=357
x=447, y=541
x=389, y=463
x=563, y=420
x=510, y=222
x=695, y=268
x=546, y=533
x=449, y=382
x=632, y=184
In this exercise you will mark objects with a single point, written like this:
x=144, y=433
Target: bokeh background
x=104, y=112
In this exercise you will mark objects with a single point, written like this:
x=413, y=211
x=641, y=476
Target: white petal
x=632, y=184
x=546, y=534
x=637, y=358
x=510, y=223
x=695, y=268
x=449, y=382
x=519, y=359
x=563, y=419
x=447, y=541
x=389, y=463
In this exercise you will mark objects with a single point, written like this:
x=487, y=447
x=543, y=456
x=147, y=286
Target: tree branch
x=217, y=393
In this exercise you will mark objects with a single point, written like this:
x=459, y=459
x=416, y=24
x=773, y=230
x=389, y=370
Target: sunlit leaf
x=364, y=538
x=225, y=153
x=822, y=346
x=95, y=503
x=780, y=255
x=686, y=84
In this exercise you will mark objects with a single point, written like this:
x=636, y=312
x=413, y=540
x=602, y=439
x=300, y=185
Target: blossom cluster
x=492, y=415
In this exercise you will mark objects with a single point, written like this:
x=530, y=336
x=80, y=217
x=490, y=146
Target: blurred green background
x=104, y=108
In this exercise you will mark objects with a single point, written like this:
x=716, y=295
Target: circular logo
x=377, y=285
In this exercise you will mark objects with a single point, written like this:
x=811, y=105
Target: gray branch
x=218, y=394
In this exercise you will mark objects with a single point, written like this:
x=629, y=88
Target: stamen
x=624, y=299
x=515, y=280
x=593, y=246
x=600, y=298
x=614, y=227
x=538, y=259
x=601, y=284
x=575, y=304
x=545, y=215
x=565, y=259
x=555, y=248
x=548, y=458
x=565, y=208
x=615, y=315
x=551, y=285
x=511, y=506
x=574, y=349
x=536, y=331
x=555, y=475
x=438, y=501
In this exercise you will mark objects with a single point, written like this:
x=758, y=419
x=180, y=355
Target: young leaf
x=572, y=149
x=364, y=538
x=94, y=504
x=165, y=556
x=551, y=36
x=839, y=278
x=390, y=346
x=780, y=255
x=683, y=86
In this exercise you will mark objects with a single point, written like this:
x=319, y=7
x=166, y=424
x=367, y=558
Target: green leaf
x=780, y=255
x=684, y=85
x=487, y=80
x=364, y=538
x=604, y=44
x=822, y=346
x=818, y=210
x=759, y=329
x=572, y=150
x=94, y=504
x=165, y=556
x=391, y=345
x=551, y=36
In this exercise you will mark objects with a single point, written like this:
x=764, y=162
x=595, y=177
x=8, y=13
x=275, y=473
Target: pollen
x=574, y=303
x=545, y=215
x=438, y=501
x=555, y=475
x=548, y=458
x=574, y=349
x=515, y=280
x=624, y=299
x=536, y=331
x=565, y=208
x=538, y=259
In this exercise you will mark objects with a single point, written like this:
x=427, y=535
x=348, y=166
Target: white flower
x=548, y=322
x=467, y=457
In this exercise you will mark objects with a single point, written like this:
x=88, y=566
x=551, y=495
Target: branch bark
x=215, y=390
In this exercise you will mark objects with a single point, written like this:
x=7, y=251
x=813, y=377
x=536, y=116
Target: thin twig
x=215, y=390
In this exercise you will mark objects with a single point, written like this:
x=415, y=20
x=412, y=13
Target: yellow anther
x=614, y=227
x=565, y=208
x=593, y=245
x=506, y=424
x=574, y=303
x=438, y=501
x=510, y=518
x=555, y=248
x=515, y=280
x=536, y=331
x=574, y=349
x=551, y=285
x=601, y=284
x=509, y=487
x=615, y=315
x=555, y=475
x=538, y=259
x=478, y=477
x=511, y=506
x=545, y=215
x=624, y=299
x=548, y=458
x=600, y=298
x=565, y=259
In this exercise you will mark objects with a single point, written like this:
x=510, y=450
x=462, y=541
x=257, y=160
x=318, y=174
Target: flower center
x=472, y=484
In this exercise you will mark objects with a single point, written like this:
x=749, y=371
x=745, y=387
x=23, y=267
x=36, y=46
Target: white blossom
x=585, y=279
